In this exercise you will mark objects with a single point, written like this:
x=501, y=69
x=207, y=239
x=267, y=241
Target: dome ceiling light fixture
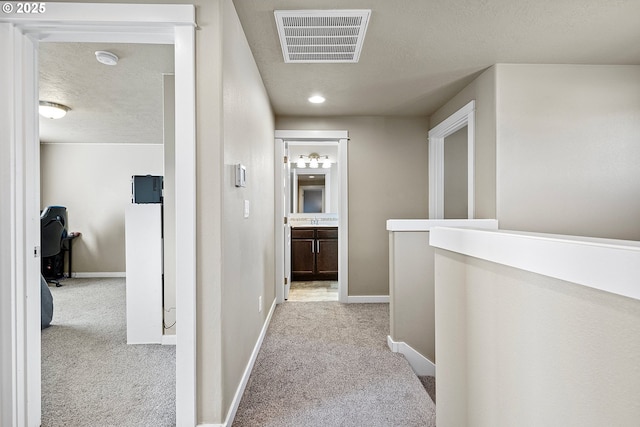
x=106, y=58
x=52, y=110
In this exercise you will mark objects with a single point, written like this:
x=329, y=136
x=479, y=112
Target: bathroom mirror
x=311, y=194
x=311, y=190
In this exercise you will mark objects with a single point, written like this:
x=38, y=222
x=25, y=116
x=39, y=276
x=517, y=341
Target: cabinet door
x=327, y=258
x=302, y=258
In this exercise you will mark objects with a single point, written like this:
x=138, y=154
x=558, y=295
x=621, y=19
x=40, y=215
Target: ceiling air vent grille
x=322, y=35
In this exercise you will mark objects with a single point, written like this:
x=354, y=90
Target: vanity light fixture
x=106, y=58
x=52, y=110
x=313, y=160
x=316, y=99
x=326, y=163
x=301, y=163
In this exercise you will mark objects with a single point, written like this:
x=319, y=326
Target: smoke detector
x=322, y=35
x=106, y=58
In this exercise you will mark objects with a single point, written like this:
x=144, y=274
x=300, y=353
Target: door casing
x=19, y=186
x=313, y=137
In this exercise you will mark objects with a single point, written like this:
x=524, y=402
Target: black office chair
x=52, y=231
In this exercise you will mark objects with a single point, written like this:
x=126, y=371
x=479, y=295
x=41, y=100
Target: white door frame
x=20, y=387
x=465, y=116
x=314, y=136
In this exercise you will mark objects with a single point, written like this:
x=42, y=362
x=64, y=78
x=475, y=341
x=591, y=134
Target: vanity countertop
x=313, y=220
x=314, y=225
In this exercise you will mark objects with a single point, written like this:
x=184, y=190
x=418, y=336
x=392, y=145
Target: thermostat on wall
x=241, y=175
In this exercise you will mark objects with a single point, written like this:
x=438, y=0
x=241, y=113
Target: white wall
x=94, y=182
x=568, y=139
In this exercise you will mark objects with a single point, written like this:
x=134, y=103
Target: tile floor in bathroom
x=318, y=290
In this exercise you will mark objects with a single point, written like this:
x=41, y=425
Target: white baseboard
x=81, y=275
x=247, y=371
x=168, y=340
x=420, y=364
x=363, y=299
x=210, y=425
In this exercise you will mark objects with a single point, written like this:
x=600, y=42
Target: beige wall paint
x=568, y=149
x=412, y=285
x=94, y=182
x=388, y=178
x=456, y=167
x=520, y=349
x=209, y=176
x=483, y=91
x=249, y=243
x=169, y=206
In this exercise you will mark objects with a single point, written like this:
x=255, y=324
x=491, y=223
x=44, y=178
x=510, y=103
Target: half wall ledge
x=604, y=264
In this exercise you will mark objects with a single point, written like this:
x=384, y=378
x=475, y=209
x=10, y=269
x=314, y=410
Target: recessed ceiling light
x=316, y=99
x=106, y=58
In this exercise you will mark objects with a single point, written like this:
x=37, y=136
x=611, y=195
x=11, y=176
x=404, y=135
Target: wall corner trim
x=420, y=364
x=231, y=414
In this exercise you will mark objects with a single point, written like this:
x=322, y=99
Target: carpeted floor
x=429, y=384
x=328, y=364
x=90, y=376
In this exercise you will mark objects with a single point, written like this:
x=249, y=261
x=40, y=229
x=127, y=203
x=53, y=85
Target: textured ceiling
x=417, y=54
x=109, y=104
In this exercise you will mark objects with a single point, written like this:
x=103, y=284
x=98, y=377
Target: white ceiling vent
x=322, y=35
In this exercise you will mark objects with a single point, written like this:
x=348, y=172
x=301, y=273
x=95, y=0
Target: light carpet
x=90, y=376
x=328, y=364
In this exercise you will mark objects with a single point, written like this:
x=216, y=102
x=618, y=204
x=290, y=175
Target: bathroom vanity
x=314, y=253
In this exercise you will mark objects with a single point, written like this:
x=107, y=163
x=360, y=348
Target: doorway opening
x=65, y=22
x=313, y=217
x=452, y=166
x=113, y=131
x=311, y=199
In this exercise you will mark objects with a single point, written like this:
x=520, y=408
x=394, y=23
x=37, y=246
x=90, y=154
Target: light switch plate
x=246, y=209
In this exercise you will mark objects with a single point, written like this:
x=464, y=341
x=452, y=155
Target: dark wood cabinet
x=314, y=253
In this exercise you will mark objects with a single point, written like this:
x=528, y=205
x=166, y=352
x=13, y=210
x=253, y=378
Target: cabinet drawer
x=327, y=233
x=302, y=233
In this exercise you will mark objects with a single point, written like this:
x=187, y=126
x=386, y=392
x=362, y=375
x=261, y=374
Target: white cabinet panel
x=143, y=229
